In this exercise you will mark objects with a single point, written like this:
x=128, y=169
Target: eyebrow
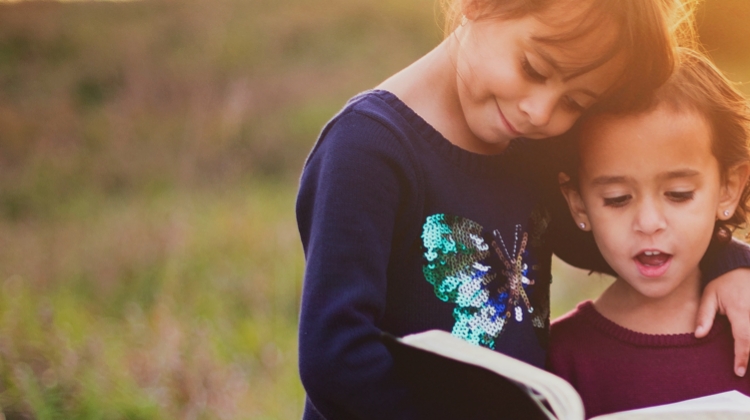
x=682, y=173
x=556, y=66
x=606, y=180
x=618, y=179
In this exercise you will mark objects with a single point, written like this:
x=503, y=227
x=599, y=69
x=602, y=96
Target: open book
x=489, y=380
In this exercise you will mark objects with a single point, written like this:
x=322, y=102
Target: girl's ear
x=469, y=9
x=731, y=191
x=575, y=202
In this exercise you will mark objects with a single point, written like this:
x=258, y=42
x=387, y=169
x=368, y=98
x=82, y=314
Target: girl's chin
x=655, y=294
x=648, y=288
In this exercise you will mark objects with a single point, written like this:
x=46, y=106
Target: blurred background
x=150, y=266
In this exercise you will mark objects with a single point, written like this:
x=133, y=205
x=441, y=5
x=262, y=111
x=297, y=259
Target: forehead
x=580, y=74
x=646, y=144
x=580, y=37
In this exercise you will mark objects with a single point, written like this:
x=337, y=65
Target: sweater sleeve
x=350, y=190
x=723, y=258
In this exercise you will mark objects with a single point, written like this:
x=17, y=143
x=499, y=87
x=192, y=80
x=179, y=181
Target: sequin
x=459, y=267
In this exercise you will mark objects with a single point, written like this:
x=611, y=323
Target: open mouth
x=653, y=263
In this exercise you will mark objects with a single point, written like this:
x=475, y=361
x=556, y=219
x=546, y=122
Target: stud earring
x=726, y=213
x=582, y=225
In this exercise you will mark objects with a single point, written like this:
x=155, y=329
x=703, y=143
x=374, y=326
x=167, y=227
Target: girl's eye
x=531, y=72
x=618, y=201
x=571, y=104
x=680, y=196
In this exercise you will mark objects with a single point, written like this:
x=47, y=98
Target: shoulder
x=370, y=142
x=570, y=331
x=573, y=320
x=371, y=122
x=568, y=338
x=363, y=163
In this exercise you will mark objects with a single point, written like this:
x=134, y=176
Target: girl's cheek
x=565, y=123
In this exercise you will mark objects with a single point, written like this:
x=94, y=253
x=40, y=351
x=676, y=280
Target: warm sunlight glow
x=66, y=1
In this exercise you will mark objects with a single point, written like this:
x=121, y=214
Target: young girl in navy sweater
x=657, y=189
x=426, y=203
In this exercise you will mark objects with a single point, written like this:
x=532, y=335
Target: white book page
x=724, y=406
x=726, y=401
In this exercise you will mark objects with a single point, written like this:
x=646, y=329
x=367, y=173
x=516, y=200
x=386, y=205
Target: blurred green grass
x=181, y=305
x=149, y=261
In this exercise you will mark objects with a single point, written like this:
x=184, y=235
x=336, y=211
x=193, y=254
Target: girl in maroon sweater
x=656, y=188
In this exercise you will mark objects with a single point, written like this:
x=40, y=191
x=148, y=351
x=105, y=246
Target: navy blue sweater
x=405, y=232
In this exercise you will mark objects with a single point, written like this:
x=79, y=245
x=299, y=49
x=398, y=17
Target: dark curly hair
x=698, y=86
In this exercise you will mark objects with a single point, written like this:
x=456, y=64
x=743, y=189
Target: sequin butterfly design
x=464, y=268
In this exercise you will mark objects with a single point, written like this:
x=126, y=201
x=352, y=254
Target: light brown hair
x=648, y=31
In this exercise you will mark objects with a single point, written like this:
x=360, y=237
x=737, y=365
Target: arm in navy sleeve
x=350, y=191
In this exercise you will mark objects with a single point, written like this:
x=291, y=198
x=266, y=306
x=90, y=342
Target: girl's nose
x=650, y=218
x=538, y=107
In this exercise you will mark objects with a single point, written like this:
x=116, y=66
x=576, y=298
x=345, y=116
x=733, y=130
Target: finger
x=706, y=312
x=741, y=332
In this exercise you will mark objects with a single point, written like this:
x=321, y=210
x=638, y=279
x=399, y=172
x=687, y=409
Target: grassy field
x=150, y=266
x=181, y=305
x=149, y=261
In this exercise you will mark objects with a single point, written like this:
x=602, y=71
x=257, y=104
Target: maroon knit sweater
x=616, y=369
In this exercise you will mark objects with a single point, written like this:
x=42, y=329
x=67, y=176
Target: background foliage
x=149, y=151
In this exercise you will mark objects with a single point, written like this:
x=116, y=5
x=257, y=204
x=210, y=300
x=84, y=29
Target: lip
x=653, y=271
x=507, y=123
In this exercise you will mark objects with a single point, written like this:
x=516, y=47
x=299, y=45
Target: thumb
x=706, y=313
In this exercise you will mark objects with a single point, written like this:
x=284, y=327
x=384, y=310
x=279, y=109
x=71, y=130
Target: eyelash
x=531, y=72
x=568, y=102
x=676, y=196
x=616, y=201
x=573, y=105
x=680, y=196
